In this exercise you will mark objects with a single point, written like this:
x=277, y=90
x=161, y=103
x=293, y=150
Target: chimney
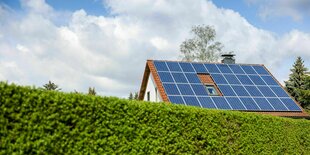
x=228, y=58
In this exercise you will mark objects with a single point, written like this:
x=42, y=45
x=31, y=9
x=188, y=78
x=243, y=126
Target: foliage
x=34, y=121
x=296, y=78
x=51, y=86
x=91, y=91
x=304, y=97
x=202, y=47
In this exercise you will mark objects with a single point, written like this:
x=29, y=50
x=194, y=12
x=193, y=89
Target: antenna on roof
x=228, y=58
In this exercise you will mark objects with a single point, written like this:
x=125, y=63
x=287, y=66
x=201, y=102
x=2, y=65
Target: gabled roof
x=243, y=87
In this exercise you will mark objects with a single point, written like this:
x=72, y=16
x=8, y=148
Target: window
x=155, y=94
x=148, y=96
x=211, y=90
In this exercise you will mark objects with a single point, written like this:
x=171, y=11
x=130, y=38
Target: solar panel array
x=244, y=87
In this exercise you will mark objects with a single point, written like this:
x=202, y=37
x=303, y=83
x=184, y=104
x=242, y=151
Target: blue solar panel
x=174, y=66
x=185, y=89
x=244, y=79
x=212, y=68
x=192, y=78
x=176, y=99
x=236, y=69
x=186, y=67
x=221, y=103
x=199, y=89
x=219, y=79
x=260, y=70
x=179, y=78
x=263, y=104
x=224, y=68
x=266, y=91
x=200, y=68
x=235, y=103
x=189, y=100
x=253, y=91
x=240, y=91
x=244, y=87
x=171, y=89
x=248, y=69
x=206, y=102
x=277, y=104
x=279, y=91
x=231, y=79
x=226, y=90
x=160, y=66
x=269, y=80
x=249, y=103
x=290, y=104
x=165, y=77
x=257, y=80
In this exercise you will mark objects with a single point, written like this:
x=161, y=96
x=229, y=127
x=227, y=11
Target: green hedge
x=34, y=121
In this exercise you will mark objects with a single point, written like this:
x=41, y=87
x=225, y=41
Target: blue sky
x=104, y=43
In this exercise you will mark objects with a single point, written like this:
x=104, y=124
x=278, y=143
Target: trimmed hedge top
x=34, y=121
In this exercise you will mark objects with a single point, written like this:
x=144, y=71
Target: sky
x=104, y=44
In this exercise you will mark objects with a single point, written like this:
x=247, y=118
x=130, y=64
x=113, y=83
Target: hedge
x=34, y=121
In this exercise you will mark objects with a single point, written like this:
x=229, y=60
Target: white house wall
x=151, y=87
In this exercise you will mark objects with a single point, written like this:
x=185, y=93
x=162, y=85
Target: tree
x=133, y=96
x=202, y=47
x=91, y=91
x=296, y=80
x=304, y=97
x=51, y=86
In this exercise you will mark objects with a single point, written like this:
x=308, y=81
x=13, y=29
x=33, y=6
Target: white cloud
x=109, y=52
x=296, y=9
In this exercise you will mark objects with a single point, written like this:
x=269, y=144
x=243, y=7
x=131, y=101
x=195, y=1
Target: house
x=226, y=85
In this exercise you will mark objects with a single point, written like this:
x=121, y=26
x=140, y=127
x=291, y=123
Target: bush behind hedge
x=34, y=121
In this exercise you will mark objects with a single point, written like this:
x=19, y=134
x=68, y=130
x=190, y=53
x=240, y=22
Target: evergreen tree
x=304, y=97
x=91, y=91
x=130, y=96
x=202, y=47
x=296, y=80
x=51, y=86
x=136, y=96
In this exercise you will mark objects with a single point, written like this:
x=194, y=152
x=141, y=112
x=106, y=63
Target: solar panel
x=176, y=99
x=206, y=102
x=244, y=87
x=224, y=68
x=199, y=89
x=185, y=89
x=226, y=90
x=199, y=68
x=161, y=66
x=192, y=78
x=221, y=103
x=174, y=66
x=212, y=68
x=236, y=69
x=179, y=77
x=235, y=103
x=249, y=103
x=186, y=67
x=240, y=91
x=231, y=79
x=260, y=70
x=277, y=104
x=248, y=69
x=171, y=89
x=253, y=91
x=189, y=100
x=165, y=77
x=219, y=79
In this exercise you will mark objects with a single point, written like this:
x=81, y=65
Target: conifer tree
x=296, y=80
x=51, y=86
x=130, y=96
x=91, y=91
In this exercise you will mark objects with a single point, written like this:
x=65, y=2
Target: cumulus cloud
x=296, y=9
x=109, y=52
